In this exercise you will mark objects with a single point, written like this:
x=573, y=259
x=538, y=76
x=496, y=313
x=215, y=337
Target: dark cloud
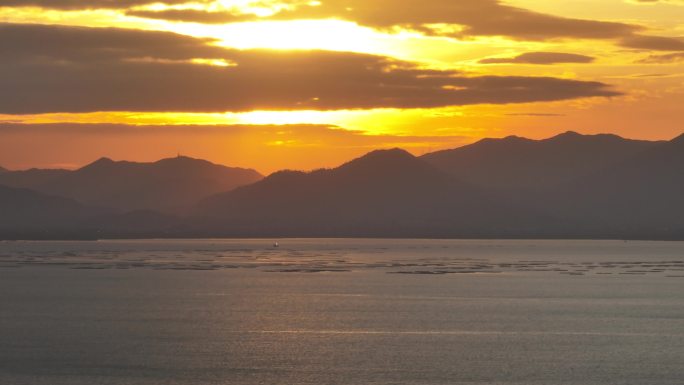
x=34, y=42
x=68, y=69
x=541, y=58
x=88, y=4
x=192, y=16
x=463, y=18
x=308, y=133
x=652, y=75
x=663, y=59
x=656, y=43
x=481, y=17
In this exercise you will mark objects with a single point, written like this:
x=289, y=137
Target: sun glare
x=301, y=34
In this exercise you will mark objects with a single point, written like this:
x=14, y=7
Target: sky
x=301, y=84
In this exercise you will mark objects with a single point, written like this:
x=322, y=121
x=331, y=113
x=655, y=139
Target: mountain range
x=568, y=186
x=170, y=185
x=384, y=193
x=524, y=165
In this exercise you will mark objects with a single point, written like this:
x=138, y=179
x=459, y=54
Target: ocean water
x=341, y=312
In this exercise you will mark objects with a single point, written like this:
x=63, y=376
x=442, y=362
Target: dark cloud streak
x=541, y=58
x=68, y=69
x=655, y=43
x=479, y=18
x=466, y=18
x=663, y=59
x=88, y=4
x=192, y=16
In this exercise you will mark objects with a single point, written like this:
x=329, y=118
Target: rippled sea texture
x=341, y=312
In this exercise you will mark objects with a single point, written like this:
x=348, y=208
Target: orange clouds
x=541, y=58
x=425, y=72
x=69, y=69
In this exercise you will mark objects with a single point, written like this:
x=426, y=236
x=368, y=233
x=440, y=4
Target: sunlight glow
x=386, y=121
x=215, y=62
x=300, y=34
x=654, y=90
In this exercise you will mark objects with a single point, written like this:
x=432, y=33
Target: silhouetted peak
x=678, y=140
x=395, y=156
x=3, y=169
x=568, y=135
x=513, y=138
x=182, y=160
x=393, y=153
x=394, y=163
x=102, y=162
x=506, y=140
x=285, y=174
x=572, y=136
x=175, y=161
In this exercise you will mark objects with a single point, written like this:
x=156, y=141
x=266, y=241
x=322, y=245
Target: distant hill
x=384, y=193
x=517, y=164
x=568, y=186
x=27, y=213
x=31, y=179
x=642, y=196
x=169, y=185
x=135, y=224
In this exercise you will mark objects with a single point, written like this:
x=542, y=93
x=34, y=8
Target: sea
x=341, y=311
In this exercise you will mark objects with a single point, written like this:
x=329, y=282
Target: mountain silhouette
x=28, y=214
x=134, y=224
x=168, y=185
x=35, y=215
x=568, y=186
x=640, y=196
x=384, y=193
x=31, y=179
x=520, y=165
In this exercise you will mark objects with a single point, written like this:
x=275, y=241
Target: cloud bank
x=75, y=69
x=541, y=58
x=478, y=18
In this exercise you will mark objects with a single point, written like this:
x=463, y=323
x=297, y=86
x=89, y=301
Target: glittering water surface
x=341, y=312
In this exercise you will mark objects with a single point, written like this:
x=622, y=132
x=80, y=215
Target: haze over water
x=341, y=312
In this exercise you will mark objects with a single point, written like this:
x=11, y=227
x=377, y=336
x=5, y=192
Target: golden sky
x=304, y=84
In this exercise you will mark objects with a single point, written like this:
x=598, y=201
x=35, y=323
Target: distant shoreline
x=332, y=238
